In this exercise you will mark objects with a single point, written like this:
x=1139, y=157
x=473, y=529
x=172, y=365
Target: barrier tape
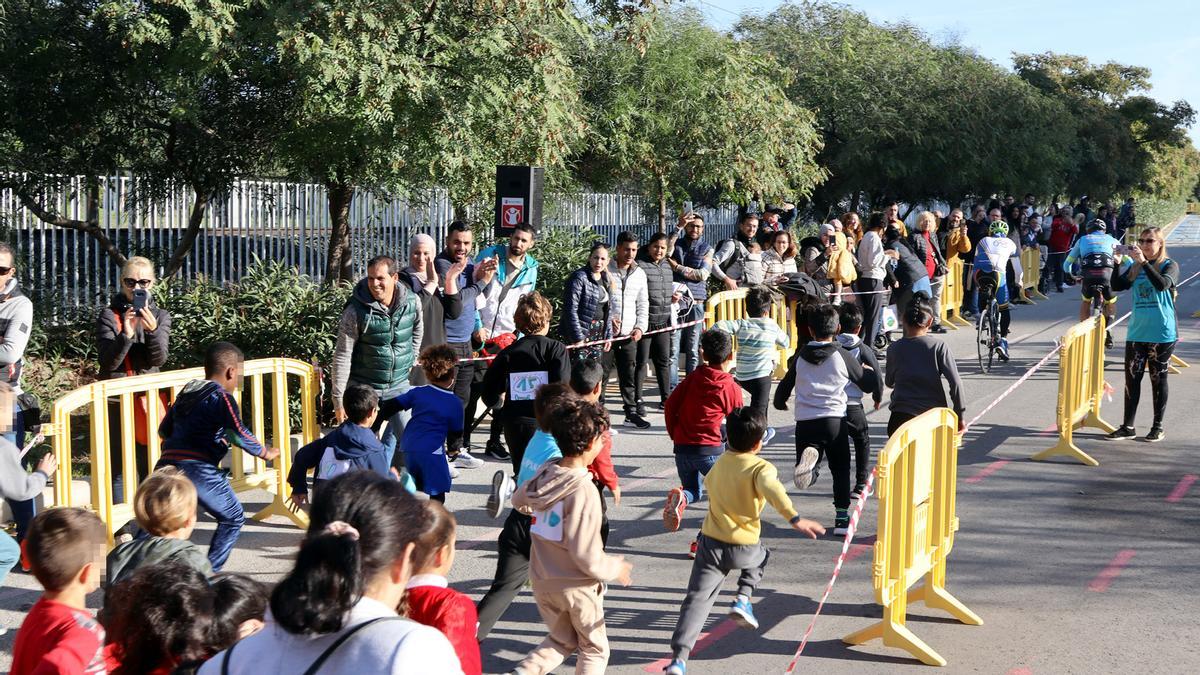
x=36, y=440
x=837, y=569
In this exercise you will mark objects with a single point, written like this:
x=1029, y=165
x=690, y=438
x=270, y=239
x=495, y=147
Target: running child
x=856, y=416
x=349, y=447
x=759, y=339
x=915, y=367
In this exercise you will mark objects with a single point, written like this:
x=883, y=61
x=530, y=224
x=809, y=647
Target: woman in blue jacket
x=587, y=307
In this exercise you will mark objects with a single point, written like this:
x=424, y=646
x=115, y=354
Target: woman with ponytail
x=915, y=367
x=336, y=610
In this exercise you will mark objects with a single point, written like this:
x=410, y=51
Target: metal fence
x=267, y=219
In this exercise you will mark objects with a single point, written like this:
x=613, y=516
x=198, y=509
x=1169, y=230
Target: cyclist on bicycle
x=1097, y=253
x=991, y=261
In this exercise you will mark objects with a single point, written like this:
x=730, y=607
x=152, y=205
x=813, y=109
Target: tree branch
x=89, y=227
x=195, y=220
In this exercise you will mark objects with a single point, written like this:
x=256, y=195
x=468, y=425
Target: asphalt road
x=1073, y=569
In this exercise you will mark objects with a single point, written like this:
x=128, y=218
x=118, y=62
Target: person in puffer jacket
x=588, y=306
x=200, y=428
x=352, y=446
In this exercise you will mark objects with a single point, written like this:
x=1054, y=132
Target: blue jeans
x=23, y=510
x=673, y=368
x=690, y=337
x=395, y=425
x=692, y=470
x=10, y=555
x=218, y=499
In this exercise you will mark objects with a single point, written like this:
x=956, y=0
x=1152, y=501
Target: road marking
x=1182, y=488
x=706, y=639
x=987, y=471
x=857, y=550
x=1020, y=671
x=634, y=484
x=1106, y=576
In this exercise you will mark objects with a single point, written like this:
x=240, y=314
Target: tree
x=697, y=112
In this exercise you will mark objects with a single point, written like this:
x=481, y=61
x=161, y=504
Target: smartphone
x=1122, y=249
x=140, y=297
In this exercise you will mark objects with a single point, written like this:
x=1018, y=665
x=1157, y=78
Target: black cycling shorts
x=1098, y=281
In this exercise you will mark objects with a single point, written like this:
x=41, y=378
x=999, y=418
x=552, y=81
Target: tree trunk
x=908, y=211
x=338, y=268
x=195, y=220
x=855, y=201
x=90, y=226
x=662, y=205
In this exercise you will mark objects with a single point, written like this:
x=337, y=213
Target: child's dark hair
x=358, y=401
x=439, y=533
x=918, y=313
x=161, y=615
x=744, y=428
x=546, y=399
x=220, y=356
x=61, y=542
x=575, y=424
x=438, y=363
x=716, y=346
x=822, y=321
x=237, y=599
x=851, y=317
x=334, y=565
x=759, y=301
x=585, y=375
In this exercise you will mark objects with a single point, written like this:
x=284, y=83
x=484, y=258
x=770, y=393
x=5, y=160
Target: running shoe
x=454, y=473
x=673, y=511
x=465, y=460
x=495, y=449
x=1122, y=433
x=808, y=468
x=502, y=489
x=768, y=435
x=743, y=614
x=1002, y=349
x=635, y=420
x=841, y=523
x=857, y=492
x=692, y=550
x=1108, y=341
x=1156, y=434
x=676, y=667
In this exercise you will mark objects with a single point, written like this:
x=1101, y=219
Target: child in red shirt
x=65, y=548
x=429, y=598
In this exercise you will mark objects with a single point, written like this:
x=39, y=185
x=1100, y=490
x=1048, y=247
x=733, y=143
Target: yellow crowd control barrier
x=1176, y=364
x=952, y=294
x=138, y=402
x=1080, y=388
x=1132, y=233
x=917, y=475
x=728, y=305
x=1031, y=272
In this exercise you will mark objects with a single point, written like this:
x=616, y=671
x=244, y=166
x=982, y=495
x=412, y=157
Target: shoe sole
x=1147, y=439
x=840, y=531
x=1121, y=438
x=673, y=511
x=495, y=502
x=635, y=425
x=805, y=473
x=742, y=620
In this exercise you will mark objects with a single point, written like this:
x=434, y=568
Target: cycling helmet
x=998, y=229
x=1097, y=225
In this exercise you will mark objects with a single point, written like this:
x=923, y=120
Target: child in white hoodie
x=856, y=414
x=568, y=565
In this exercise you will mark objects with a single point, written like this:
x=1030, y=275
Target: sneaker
x=466, y=460
x=692, y=549
x=1156, y=434
x=841, y=523
x=967, y=314
x=857, y=493
x=496, y=449
x=743, y=614
x=502, y=489
x=768, y=435
x=1123, y=432
x=641, y=409
x=635, y=420
x=673, y=511
x=1108, y=341
x=454, y=473
x=676, y=667
x=937, y=328
x=661, y=406
x=1002, y=349
x=807, y=469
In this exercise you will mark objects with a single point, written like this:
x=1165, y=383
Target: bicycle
x=987, y=324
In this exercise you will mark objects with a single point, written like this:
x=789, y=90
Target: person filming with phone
x=132, y=335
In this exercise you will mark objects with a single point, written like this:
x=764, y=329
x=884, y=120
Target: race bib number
x=548, y=524
x=523, y=386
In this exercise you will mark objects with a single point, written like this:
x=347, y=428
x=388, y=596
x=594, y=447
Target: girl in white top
x=350, y=575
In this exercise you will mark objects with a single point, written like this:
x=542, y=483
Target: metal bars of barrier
x=918, y=473
x=952, y=295
x=1031, y=272
x=125, y=396
x=731, y=305
x=1080, y=388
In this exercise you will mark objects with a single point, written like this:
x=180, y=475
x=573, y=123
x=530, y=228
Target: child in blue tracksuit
x=198, y=430
x=436, y=413
x=350, y=447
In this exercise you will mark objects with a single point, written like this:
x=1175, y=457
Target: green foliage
x=1160, y=212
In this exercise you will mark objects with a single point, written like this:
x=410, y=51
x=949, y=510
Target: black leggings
x=859, y=432
x=760, y=392
x=828, y=435
x=1157, y=357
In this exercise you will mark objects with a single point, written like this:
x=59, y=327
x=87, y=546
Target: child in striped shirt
x=759, y=339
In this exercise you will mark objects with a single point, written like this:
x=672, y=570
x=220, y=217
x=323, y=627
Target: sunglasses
x=5, y=270
x=131, y=283
x=1147, y=241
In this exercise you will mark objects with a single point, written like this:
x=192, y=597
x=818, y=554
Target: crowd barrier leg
x=935, y=596
x=1080, y=388
x=894, y=633
x=1176, y=364
x=279, y=506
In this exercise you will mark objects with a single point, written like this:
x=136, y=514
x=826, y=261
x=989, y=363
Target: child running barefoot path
x=568, y=564
x=740, y=484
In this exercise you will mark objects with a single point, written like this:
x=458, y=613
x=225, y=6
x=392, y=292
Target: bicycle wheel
x=983, y=340
x=994, y=322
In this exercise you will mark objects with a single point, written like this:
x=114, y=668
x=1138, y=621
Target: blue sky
x=1159, y=34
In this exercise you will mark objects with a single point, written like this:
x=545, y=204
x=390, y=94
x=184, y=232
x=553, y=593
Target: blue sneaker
x=676, y=667
x=1002, y=349
x=743, y=614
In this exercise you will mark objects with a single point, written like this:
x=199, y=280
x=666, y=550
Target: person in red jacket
x=695, y=415
x=429, y=598
x=1062, y=236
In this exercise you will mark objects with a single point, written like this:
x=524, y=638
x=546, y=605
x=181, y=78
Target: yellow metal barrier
x=1176, y=364
x=1080, y=388
x=1132, y=233
x=917, y=474
x=1031, y=272
x=952, y=294
x=246, y=471
x=731, y=305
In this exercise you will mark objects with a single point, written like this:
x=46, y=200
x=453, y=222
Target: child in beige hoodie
x=568, y=565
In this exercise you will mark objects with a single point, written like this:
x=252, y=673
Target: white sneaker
x=502, y=490
x=453, y=471
x=768, y=435
x=466, y=460
x=808, y=468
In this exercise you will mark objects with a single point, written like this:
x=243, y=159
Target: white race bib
x=523, y=386
x=548, y=524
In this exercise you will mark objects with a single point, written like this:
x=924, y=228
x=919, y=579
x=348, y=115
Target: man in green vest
x=379, y=337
